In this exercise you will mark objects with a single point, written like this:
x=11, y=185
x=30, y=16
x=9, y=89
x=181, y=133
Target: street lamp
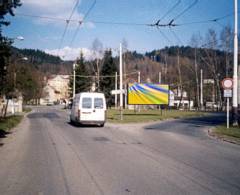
x=15, y=77
x=15, y=74
x=74, y=79
x=20, y=38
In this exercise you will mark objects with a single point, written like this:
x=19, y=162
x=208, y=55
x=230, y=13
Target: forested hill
x=44, y=62
x=38, y=56
x=184, y=51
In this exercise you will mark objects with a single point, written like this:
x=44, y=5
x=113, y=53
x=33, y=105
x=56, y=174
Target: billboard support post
x=160, y=78
x=139, y=81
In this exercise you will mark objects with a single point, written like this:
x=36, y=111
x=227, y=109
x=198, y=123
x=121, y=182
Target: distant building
x=14, y=104
x=56, y=89
x=180, y=99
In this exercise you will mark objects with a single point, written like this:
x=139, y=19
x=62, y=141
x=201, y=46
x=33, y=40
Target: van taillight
x=79, y=113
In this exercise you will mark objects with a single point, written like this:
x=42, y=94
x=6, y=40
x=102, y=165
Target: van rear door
x=98, y=109
x=86, y=109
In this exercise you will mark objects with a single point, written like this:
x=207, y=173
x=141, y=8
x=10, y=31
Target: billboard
x=147, y=94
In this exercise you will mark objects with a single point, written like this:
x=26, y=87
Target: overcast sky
x=46, y=34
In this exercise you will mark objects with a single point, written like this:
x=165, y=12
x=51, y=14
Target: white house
x=56, y=89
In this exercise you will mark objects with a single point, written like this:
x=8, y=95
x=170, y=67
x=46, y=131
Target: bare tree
x=226, y=38
x=213, y=62
x=97, y=48
x=195, y=42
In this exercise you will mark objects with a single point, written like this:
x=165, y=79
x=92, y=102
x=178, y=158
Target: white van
x=89, y=108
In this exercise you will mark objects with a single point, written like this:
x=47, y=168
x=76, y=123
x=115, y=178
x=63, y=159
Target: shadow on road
x=3, y=133
x=189, y=126
x=82, y=125
x=210, y=120
x=50, y=115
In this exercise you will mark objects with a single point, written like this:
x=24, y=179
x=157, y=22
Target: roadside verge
x=145, y=116
x=231, y=135
x=8, y=123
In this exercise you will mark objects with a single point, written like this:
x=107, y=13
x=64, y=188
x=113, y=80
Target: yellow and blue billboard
x=147, y=94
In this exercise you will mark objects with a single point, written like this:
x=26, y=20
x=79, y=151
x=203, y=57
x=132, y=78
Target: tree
x=195, y=40
x=5, y=43
x=6, y=7
x=82, y=82
x=108, y=69
x=213, y=62
x=97, y=48
x=226, y=38
x=4, y=59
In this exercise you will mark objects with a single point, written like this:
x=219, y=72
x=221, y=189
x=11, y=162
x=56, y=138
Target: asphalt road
x=47, y=156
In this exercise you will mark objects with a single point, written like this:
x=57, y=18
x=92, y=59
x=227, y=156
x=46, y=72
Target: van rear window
x=87, y=103
x=98, y=103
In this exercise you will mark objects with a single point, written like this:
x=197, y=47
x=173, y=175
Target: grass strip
x=26, y=109
x=130, y=116
x=233, y=132
x=6, y=124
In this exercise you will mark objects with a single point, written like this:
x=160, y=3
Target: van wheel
x=102, y=125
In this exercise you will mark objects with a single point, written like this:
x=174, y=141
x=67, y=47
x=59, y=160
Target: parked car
x=50, y=103
x=89, y=108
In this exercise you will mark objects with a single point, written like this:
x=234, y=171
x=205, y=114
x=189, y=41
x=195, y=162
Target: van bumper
x=90, y=122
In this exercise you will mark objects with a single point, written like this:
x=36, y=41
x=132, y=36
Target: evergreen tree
x=108, y=69
x=82, y=84
x=5, y=43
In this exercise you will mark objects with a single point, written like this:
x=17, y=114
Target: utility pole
x=196, y=74
x=165, y=69
x=160, y=77
x=98, y=76
x=74, y=79
x=121, y=81
x=201, y=90
x=235, y=66
x=116, y=90
x=139, y=77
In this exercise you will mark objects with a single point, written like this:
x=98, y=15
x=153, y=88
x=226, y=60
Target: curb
x=223, y=138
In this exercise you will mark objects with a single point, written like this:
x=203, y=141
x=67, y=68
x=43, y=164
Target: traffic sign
x=227, y=83
x=227, y=93
x=116, y=92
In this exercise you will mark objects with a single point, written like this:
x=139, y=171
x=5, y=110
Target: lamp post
x=14, y=71
x=74, y=79
x=15, y=78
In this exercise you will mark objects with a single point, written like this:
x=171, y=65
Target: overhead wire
x=81, y=22
x=66, y=26
x=77, y=21
x=176, y=36
x=170, y=10
x=185, y=10
x=165, y=37
x=126, y=23
x=207, y=21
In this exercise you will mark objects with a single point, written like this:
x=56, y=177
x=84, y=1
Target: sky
x=47, y=34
